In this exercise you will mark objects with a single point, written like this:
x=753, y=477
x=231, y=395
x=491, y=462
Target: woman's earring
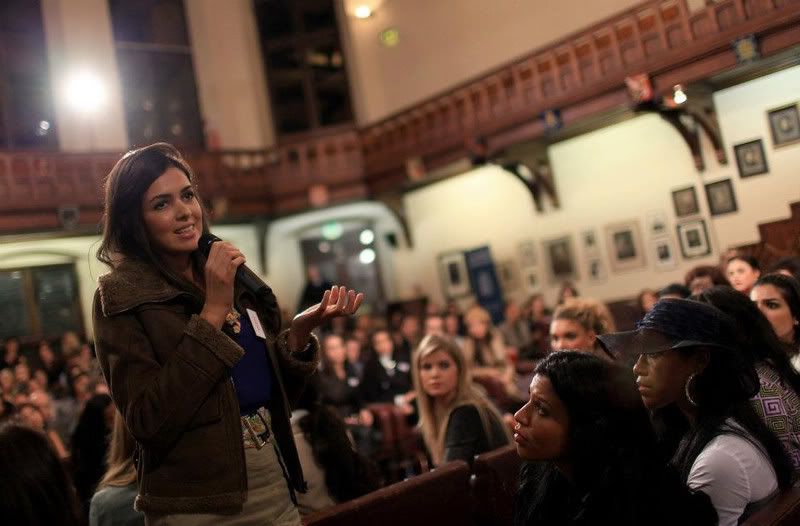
x=688, y=388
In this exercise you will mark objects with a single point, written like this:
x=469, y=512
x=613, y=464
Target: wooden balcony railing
x=581, y=75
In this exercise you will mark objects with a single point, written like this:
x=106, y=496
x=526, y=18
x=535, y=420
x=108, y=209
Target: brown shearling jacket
x=168, y=371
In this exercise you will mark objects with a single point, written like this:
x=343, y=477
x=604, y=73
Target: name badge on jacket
x=256, y=324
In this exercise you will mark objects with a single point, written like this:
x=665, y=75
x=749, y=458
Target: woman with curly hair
x=576, y=325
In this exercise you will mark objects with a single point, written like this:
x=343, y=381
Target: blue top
x=252, y=375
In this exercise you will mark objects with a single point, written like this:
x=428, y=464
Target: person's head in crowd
x=382, y=343
x=46, y=355
x=743, y=272
x=566, y=292
x=11, y=351
x=81, y=388
x=452, y=324
x=576, y=325
x=703, y=277
x=479, y=323
x=90, y=443
x=35, y=488
x=754, y=333
x=39, y=378
x=21, y=397
x=442, y=382
x=584, y=431
x=409, y=328
x=333, y=352
x=512, y=312
x=43, y=402
x=70, y=343
x=646, y=299
x=777, y=296
x=22, y=373
x=120, y=471
x=364, y=322
x=788, y=266
x=31, y=416
x=538, y=308
x=674, y=290
x=693, y=378
x=352, y=349
x=7, y=382
x=434, y=324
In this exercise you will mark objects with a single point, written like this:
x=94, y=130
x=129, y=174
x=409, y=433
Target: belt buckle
x=258, y=442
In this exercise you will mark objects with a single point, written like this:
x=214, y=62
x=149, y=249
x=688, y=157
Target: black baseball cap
x=674, y=324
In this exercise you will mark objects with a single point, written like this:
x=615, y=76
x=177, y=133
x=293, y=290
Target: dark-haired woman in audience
x=777, y=401
x=704, y=277
x=576, y=325
x=112, y=504
x=646, y=299
x=90, y=445
x=742, y=273
x=334, y=470
x=566, y=292
x=674, y=290
x=387, y=373
x=35, y=489
x=32, y=416
x=592, y=452
x=457, y=422
x=788, y=266
x=698, y=386
x=778, y=298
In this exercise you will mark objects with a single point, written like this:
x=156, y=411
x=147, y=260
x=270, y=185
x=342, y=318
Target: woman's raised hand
x=338, y=301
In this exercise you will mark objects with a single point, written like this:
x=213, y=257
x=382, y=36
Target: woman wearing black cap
x=698, y=387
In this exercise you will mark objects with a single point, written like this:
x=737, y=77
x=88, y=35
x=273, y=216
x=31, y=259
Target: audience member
x=485, y=352
x=742, y=273
x=457, y=422
x=339, y=383
x=778, y=380
x=592, y=453
x=674, y=290
x=515, y=330
x=51, y=365
x=434, y=324
x=566, y=292
x=646, y=299
x=89, y=446
x=577, y=324
x=35, y=489
x=333, y=470
x=778, y=298
x=788, y=266
x=41, y=419
x=698, y=386
x=387, y=373
x=407, y=336
x=8, y=383
x=352, y=349
x=703, y=277
x=112, y=504
x=538, y=316
x=10, y=353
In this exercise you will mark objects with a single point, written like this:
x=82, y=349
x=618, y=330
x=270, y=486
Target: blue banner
x=485, y=284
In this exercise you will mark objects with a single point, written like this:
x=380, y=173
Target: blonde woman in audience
x=112, y=504
x=457, y=422
x=576, y=325
x=484, y=349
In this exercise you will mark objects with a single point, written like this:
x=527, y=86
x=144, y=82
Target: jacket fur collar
x=134, y=283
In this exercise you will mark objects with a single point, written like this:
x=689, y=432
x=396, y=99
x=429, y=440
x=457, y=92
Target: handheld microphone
x=245, y=277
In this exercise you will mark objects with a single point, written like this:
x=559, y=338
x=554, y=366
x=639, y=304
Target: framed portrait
x=527, y=254
x=454, y=276
x=693, y=238
x=750, y=158
x=624, y=242
x=530, y=279
x=663, y=251
x=784, y=123
x=721, y=199
x=596, y=269
x=508, y=275
x=685, y=201
x=561, y=259
x=589, y=242
x=657, y=224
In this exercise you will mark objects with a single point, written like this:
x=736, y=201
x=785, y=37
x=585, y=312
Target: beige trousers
x=268, y=501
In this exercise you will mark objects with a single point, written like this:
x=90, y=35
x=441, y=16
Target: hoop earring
x=687, y=389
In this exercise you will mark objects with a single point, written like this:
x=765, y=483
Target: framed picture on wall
x=624, y=242
x=784, y=123
x=454, y=276
x=596, y=269
x=721, y=199
x=590, y=243
x=685, y=201
x=693, y=238
x=527, y=253
x=508, y=274
x=561, y=259
x=657, y=224
x=663, y=251
x=750, y=158
x=530, y=279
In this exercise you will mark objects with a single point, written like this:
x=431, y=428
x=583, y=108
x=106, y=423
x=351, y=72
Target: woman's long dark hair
x=348, y=474
x=722, y=391
x=90, y=446
x=617, y=472
x=35, y=489
x=789, y=289
x=124, y=234
x=754, y=332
